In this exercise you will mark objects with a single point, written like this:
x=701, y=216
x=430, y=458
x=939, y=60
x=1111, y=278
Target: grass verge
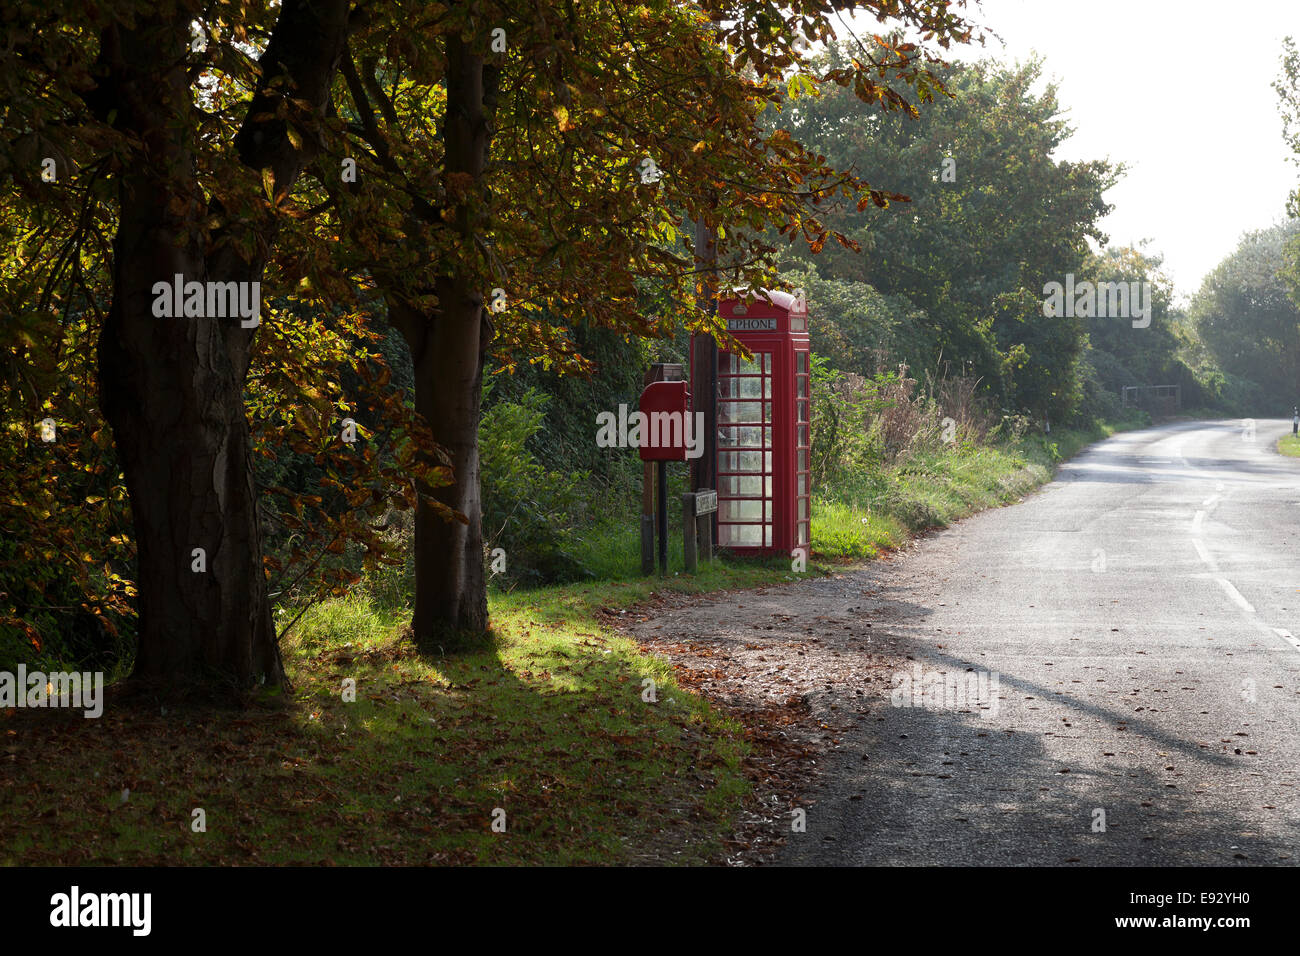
x=548, y=735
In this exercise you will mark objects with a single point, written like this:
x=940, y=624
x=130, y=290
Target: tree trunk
x=172, y=388
x=177, y=411
x=450, y=587
x=447, y=349
x=175, y=402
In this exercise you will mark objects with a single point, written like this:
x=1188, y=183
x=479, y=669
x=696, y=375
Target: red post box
x=763, y=422
x=667, y=433
x=666, y=428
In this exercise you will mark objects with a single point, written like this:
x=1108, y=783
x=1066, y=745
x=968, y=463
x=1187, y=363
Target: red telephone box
x=763, y=420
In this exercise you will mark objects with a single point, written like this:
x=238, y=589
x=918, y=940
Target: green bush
x=1103, y=376
x=529, y=510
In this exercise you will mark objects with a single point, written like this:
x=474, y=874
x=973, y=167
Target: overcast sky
x=1179, y=91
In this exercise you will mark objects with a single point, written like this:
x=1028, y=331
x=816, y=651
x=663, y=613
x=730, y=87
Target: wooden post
x=648, y=499
x=698, y=508
x=663, y=516
x=647, y=518
x=707, y=500
x=690, y=536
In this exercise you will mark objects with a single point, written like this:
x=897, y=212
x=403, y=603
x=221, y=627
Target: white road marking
x=1235, y=595
x=1285, y=634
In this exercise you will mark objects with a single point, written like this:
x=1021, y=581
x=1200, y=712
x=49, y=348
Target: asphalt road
x=1140, y=616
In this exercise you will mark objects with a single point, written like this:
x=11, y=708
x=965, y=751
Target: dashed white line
x=1286, y=635
x=1235, y=595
